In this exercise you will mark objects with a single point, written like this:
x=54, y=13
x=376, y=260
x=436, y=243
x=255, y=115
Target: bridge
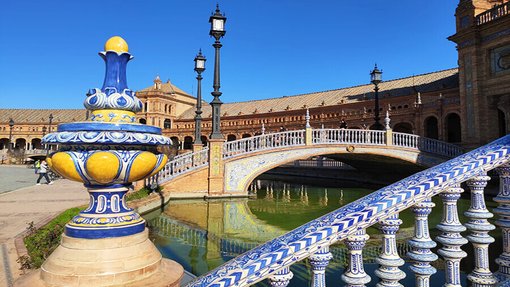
x=227, y=168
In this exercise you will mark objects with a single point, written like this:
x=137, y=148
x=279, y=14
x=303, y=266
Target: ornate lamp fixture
x=217, y=21
x=199, y=68
x=376, y=79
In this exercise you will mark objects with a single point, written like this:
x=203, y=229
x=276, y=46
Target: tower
x=483, y=44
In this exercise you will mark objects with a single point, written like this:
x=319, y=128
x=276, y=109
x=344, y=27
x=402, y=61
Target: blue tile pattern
x=307, y=239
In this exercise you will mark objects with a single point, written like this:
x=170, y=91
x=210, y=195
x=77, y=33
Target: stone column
x=216, y=167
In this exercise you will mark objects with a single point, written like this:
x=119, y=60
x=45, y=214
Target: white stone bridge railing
x=179, y=165
x=263, y=142
x=348, y=224
x=266, y=142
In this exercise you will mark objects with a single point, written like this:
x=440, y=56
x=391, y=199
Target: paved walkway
x=27, y=204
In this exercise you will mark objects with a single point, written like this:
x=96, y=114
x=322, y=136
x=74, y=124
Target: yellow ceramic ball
x=142, y=165
x=164, y=160
x=116, y=44
x=103, y=166
x=63, y=164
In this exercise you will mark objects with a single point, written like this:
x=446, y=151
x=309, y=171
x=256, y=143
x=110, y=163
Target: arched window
x=188, y=142
x=502, y=123
x=167, y=124
x=403, y=128
x=246, y=136
x=453, y=128
x=231, y=137
x=431, y=128
x=175, y=141
x=143, y=121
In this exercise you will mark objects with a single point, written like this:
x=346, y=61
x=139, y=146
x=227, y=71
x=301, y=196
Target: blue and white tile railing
x=348, y=224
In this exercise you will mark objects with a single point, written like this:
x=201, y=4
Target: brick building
x=469, y=105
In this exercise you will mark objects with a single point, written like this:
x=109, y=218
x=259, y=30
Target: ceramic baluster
x=420, y=253
x=450, y=238
x=319, y=262
x=355, y=275
x=503, y=212
x=389, y=259
x=479, y=227
x=281, y=278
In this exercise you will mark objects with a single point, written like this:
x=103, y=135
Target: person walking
x=43, y=172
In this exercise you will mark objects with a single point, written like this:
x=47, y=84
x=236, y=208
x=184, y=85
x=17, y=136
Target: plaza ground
x=22, y=202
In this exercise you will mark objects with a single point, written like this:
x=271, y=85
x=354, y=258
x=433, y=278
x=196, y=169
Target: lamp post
x=49, y=130
x=199, y=68
x=217, y=21
x=11, y=125
x=376, y=78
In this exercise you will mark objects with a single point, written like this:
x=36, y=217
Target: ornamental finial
x=116, y=44
x=307, y=117
x=114, y=102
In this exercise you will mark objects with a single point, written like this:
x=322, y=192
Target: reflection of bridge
x=217, y=245
x=229, y=167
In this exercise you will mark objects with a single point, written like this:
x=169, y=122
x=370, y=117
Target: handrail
x=493, y=14
x=348, y=136
x=184, y=162
x=278, y=254
x=263, y=142
x=180, y=164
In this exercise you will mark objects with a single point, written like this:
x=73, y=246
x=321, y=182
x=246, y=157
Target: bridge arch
x=241, y=171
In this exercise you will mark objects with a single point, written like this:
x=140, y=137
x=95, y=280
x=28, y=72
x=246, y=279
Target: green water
x=202, y=235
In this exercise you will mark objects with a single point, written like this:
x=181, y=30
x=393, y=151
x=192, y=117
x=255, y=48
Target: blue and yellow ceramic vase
x=109, y=152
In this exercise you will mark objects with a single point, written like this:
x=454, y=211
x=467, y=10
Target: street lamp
x=49, y=130
x=217, y=21
x=376, y=78
x=199, y=68
x=11, y=124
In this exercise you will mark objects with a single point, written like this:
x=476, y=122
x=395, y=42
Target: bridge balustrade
x=263, y=142
x=181, y=164
x=347, y=224
x=348, y=136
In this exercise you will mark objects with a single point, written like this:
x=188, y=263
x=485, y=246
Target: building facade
x=468, y=105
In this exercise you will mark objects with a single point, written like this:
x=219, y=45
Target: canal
x=202, y=235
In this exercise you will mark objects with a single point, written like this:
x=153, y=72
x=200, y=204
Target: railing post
x=308, y=129
x=196, y=157
x=355, y=275
x=319, y=262
x=421, y=244
x=503, y=212
x=281, y=278
x=389, y=259
x=216, y=167
x=389, y=137
x=479, y=237
x=450, y=238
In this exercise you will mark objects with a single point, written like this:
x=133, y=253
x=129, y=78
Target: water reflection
x=202, y=235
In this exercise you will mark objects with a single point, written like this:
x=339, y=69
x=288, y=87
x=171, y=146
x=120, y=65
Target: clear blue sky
x=48, y=49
